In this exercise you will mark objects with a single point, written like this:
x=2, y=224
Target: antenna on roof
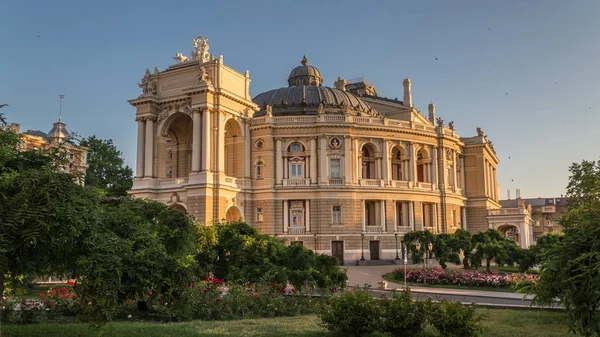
x=60, y=106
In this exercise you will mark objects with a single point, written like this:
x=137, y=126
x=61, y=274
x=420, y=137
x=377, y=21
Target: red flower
x=70, y=283
x=217, y=300
x=149, y=293
x=42, y=295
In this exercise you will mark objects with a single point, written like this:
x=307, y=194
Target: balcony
x=173, y=181
x=400, y=184
x=296, y=230
x=373, y=229
x=336, y=181
x=371, y=182
x=425, y=186
x=235, y=182
x=296, y=182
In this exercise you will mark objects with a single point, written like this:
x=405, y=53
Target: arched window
x=423, y=164
x=296, y=147
x=368, y=163
x=397, y=173
x=296, y=161
x=259, y=169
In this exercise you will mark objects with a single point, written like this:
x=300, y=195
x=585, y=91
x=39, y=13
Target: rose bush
x=464, y=278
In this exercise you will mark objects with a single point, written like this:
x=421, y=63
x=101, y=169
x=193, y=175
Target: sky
x=527, y=72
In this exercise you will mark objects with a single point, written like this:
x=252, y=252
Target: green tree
x=570, y=269
x=418, y=240
x=490, y=245
x=446, y=249
x=462, y=240
x=106, y=168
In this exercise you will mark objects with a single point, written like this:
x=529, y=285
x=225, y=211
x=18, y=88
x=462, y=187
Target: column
x=206, y=133
x=434, y=178
x=248, y=147
x=347, y=160
x=278, y=162
x=220, y=143
x=411, y=215
x=386, y=163
x=364, y=219
x=357, y=158
x=196, y=135
x=463, y=222
x=149, y=156
x=285, y=167
x=286, y=216
x=313, y=160
x=405, y=170
x=378, y=174
x=463, y=173
x=435, y=218
x=141, y=147
x=454, y=172
x=307, y=210
x=382, y=209
x=412, y=164
x=323, y=160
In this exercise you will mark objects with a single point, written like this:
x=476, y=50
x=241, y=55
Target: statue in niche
x=203, y=77
x=451, y=125
x=200, y=51
x=480, y=131
x=321, y=108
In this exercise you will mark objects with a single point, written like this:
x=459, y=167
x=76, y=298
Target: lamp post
x=396, y=236
x=430, y=248
x=418, y=249
x=362, y=246
x=405, y=260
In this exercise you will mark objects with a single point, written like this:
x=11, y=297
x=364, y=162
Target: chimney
x=432, y=113
x=508, y=194
x=407, y=93
x=518, y=193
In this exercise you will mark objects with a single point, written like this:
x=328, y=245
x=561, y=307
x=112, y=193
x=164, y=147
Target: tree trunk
x=465, y=262
x=487, y=265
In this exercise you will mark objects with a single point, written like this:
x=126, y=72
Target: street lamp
x=362, y=246
x=430, y=248
x=396, y=236
x=418, y=249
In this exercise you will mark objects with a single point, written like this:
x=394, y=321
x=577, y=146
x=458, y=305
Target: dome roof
x=306, y=96
x=310, y=96
x=58, y=132
x=305, y=75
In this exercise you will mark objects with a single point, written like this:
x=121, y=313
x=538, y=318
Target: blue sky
x=527, y=72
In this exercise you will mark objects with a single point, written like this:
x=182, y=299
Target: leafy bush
x=353, y=313
x=455, y=319
x=403, y=316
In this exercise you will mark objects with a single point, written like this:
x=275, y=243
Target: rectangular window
x=337, y=214
x=259, y=214
x=296, y=171
x=335, y=168
x=259, y=171
x=454, y=218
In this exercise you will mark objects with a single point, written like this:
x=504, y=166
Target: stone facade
x=342, y=170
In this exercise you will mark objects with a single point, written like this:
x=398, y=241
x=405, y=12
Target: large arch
x=398, y=159
x=368, y=162
x=510, y=231
x=175, y=146
x=423, y=165
x=233, y=214
x=234, y=149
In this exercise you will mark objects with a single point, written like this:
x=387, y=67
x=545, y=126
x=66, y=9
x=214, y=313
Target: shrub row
x=473, y=278
x=356, y=313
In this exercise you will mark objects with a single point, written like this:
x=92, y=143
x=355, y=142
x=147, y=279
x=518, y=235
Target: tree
x=462, y=240
x=418, y=239
x=490, y=245
x=570, y=270
x=445, y=249
x=106, y=168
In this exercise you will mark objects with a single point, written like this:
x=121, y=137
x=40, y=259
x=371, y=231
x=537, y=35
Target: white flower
x=129, y=316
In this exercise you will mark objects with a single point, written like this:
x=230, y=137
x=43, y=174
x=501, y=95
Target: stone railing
x=336, y=181
x=400, y=184
x=371, y=182
x=507, y=211
x=236, y=182
x=373, y=229
x=425, y=186
x=173, y=181
x=296, y=230
x=296, y=182
x=348, y=119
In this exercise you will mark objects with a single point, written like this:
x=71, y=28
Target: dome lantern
x=305, y=74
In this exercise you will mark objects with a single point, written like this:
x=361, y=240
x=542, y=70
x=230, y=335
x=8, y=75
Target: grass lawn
x=390, y=278
x=499, y=323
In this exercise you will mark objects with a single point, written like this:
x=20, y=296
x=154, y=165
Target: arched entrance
x=510, y=232
x=233, y=214
x=179, y=208
x=175, y=146
x=234, y=150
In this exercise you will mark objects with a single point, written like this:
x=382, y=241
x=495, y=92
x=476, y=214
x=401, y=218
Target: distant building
x=32, y=140
x=545, y=213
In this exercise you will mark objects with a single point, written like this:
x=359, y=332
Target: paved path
x=358, y=276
